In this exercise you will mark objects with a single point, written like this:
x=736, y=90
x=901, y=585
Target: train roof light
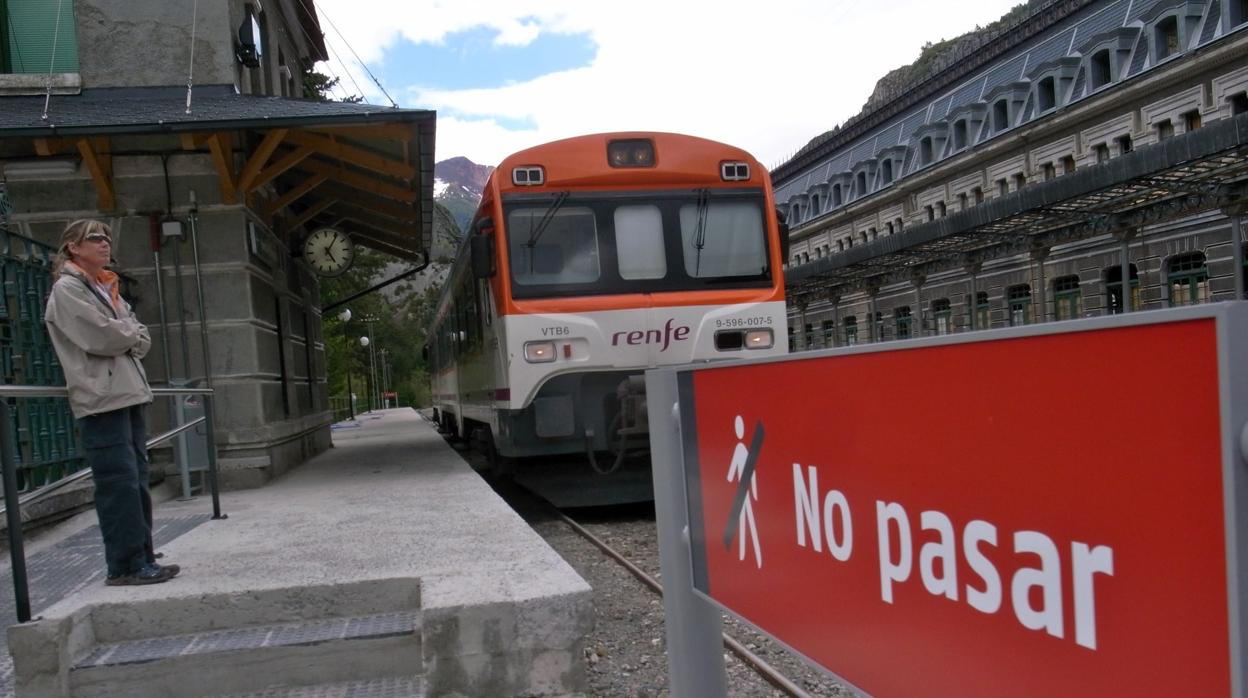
x=634, y=152
x=528, y=176
x=734, y=171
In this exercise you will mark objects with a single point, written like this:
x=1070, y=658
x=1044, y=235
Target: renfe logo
x=663, y=336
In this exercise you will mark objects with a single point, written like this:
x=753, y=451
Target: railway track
x=757, y=663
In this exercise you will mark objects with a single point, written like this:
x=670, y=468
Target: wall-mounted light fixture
x=250, y=40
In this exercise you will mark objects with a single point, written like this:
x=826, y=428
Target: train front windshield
x=606, y=243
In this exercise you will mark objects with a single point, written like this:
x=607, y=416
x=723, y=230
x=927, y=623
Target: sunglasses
x=98, y=237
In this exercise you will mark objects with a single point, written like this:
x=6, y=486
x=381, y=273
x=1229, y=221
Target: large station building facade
x=1086, y=142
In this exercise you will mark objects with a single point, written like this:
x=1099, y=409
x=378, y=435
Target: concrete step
x=397, y=687
x=254, y=658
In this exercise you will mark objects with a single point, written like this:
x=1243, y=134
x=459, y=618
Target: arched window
x=959, y=134
x=1019, y=301
x=983, y=311
x=1000, y=115
x=942, y=316
x=901, y=317
x=1100, y=73
x=1188, y=279
x=1166, y=38
x=851, y=330
x=1113, y=289
x=1067, y=301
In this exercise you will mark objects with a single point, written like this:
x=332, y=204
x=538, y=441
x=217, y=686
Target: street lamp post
x=385, y=380
x=374, y=395
x=345, y=316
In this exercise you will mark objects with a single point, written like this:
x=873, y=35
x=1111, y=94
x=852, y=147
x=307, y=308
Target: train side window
x=639, y=242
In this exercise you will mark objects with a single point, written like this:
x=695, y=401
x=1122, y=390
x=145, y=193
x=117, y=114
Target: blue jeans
x=115, y=445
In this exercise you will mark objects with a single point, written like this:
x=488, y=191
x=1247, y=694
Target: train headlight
x=539, y=352
x=759, y=339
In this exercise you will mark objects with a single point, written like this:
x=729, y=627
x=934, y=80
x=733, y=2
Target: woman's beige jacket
x=100, y=347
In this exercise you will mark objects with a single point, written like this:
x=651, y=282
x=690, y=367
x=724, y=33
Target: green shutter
x=29, y=31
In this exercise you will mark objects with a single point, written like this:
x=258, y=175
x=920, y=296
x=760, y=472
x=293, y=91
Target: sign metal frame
x=693, y=618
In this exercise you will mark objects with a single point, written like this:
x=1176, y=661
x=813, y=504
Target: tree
x=317, y=85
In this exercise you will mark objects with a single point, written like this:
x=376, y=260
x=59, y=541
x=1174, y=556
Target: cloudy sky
x=506, y=75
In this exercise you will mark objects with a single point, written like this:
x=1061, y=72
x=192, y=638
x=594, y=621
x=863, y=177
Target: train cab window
x=639, y=242
x=553, y=246
x=723, y=239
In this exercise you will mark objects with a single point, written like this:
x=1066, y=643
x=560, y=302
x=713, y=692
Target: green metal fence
x=47, y=445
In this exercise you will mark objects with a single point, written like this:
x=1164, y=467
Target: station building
x=1027, y=175
x=186, y=127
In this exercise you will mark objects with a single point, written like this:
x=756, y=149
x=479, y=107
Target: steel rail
x=752, y=660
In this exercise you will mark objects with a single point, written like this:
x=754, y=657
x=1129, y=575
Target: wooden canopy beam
x=283, y=163
x=295, y=193
x=379, y=242
x=309, y=213
x=95, y=154
x=356, y=156
x=256, y=162
x=357, y=198
x=195, y=140
x=222, y=159
x=52, y=146
x=359, y=181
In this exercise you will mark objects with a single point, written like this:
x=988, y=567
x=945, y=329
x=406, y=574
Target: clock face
x=329, y=251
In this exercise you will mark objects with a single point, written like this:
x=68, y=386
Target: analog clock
x=329, y=251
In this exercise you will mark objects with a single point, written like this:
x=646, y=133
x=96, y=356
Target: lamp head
x=363, y=341
x=345, y=315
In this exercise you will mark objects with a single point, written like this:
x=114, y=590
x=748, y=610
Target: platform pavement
x=389, y=524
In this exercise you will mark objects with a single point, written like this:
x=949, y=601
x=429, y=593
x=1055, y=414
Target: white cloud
x=767, y=81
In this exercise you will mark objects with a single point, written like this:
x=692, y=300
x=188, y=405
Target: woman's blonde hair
x=75, y=233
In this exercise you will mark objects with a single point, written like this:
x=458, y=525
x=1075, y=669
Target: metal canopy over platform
x=1202, y=170
x=366, y=168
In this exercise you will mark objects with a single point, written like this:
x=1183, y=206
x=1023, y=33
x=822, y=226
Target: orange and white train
x=588, y=261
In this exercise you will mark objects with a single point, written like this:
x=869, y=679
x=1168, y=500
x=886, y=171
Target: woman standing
x=100, y=343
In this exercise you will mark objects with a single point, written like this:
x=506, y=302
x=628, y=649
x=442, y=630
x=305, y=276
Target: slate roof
x=1060, y=39
x=117, y=110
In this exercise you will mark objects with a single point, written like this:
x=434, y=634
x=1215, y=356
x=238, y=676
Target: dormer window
x=1166, y=38
x=837, y=198
x=1100, y=74
x=1046, y=94
x=959, y=134
x=814, y=204
x=886, y=171
x=1000, y=116
x=861, y=184
x=925, y=151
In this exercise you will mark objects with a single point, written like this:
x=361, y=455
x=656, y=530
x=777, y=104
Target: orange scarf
x=107, y=279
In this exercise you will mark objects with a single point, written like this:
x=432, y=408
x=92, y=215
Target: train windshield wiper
x=535, y=232
x=699, y=236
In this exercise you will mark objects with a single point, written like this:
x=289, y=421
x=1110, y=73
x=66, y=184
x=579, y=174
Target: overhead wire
x=56, y=33
x=335, y=78
x=357, y=58
x=190, y=70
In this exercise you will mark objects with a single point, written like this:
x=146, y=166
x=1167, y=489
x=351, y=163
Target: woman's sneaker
x=151, y=573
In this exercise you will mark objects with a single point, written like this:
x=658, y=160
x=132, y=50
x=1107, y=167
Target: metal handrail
x=51, y=487
x=13, y=503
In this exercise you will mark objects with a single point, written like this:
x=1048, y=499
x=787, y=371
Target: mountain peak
x=458, y=184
